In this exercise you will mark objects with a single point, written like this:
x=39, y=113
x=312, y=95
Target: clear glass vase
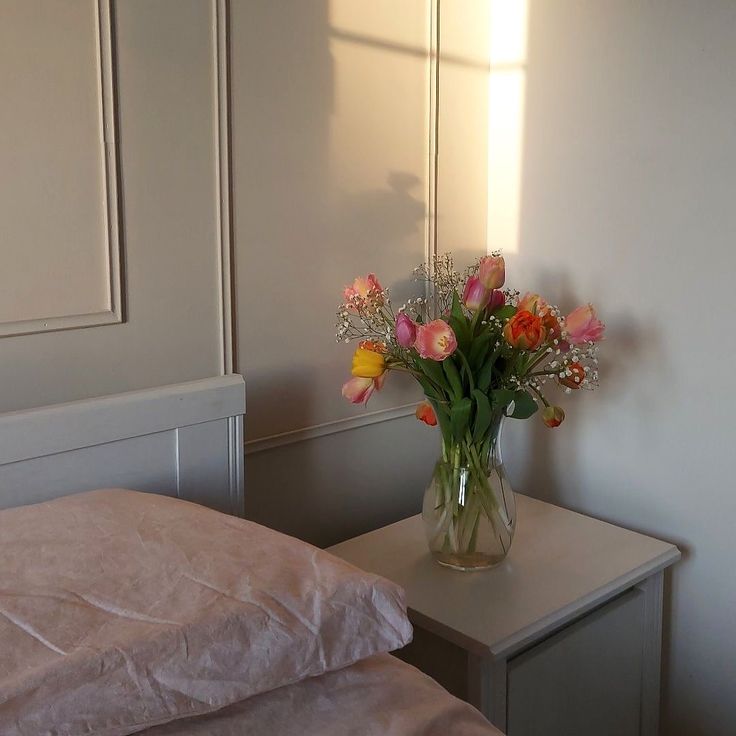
x=469, y=510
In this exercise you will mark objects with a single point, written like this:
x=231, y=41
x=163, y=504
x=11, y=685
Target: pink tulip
x=361, y=288
x=498, y=299
x=582, y=325
x=406, y=330
x=492, y=272
x=358, y=390
x=435, y=340
x=476, y=296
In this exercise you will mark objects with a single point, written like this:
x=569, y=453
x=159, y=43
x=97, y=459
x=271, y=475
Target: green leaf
x=429, y=390
x=483, y=415
x=505, y=312
x=502, y=397
x=442, y=413
x=453, y=376
x=479, y=348
x=459, y=322
x=524, y=405
x=483, y=380
x=461, y=328
x=460, y=412
x=433, y=370
x=457, y=309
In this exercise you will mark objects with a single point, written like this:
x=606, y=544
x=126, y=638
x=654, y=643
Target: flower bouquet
x=481, y=353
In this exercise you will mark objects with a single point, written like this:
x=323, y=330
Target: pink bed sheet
x=120, y=611
x=379, y=696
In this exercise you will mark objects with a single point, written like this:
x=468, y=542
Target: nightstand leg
x=487, y=688
x=652, y=659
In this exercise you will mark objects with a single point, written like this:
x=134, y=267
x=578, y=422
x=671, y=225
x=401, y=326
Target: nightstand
x=563, y=638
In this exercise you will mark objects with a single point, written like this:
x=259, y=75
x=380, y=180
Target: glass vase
x=469, y=510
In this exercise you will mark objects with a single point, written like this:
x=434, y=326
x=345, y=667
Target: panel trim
x=107, y=112
x=226, y=256
x=321, y=430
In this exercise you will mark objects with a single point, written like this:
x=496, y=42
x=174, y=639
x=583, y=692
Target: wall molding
x=107, y=111
x=321, y=430
x=223, y=133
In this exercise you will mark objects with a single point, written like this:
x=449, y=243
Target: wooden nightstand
x=563, y=638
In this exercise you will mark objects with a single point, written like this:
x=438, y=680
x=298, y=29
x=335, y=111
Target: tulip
x=492, y=272
x=497, y=300
x=574, y=376
x=553, y=416
x=406, y=330
x=363, y=288
x=435, y=340
x=582, y=325
x=533, y=303
x=552, y=325
x=425, y=413
x=476, y=296
x=358, y=390
x=368, y=363
x=374, y=345
x=525, y=331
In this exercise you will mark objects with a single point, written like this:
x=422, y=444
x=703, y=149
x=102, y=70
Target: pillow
x=121, y=610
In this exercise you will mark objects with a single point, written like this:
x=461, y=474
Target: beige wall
x=53, y=241
x=331, y=161
x=623, y=192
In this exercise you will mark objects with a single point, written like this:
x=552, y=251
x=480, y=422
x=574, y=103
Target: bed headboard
x=182, y=440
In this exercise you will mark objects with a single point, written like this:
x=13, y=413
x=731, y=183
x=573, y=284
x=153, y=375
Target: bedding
x=380, y=696
x=121, y=610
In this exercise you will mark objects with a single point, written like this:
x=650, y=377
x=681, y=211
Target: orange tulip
x=525, y=331
x=575, y=378
x=553, y=416
x=425, y=413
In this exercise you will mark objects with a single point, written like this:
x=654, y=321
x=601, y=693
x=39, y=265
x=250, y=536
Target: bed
x=134, y=598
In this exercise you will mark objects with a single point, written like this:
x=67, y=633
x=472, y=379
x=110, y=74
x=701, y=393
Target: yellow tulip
x=368, y=363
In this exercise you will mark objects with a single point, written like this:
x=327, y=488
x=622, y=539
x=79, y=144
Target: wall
x=331, y=119
x=55, y=257
x=627, y=179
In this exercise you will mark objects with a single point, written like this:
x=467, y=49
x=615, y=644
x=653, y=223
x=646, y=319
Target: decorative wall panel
x=60, y=264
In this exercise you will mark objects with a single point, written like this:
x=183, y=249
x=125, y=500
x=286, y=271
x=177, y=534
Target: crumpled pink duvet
x=380, y=696
x=122, y=610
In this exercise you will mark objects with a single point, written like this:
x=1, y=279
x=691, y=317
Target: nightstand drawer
x=583, y=680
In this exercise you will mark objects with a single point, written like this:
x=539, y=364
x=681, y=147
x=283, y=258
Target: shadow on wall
x=302, y=222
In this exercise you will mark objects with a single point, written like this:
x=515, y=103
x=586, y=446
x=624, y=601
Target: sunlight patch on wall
x=506, y=91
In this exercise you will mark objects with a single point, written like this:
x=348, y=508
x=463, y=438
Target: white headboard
x=182, y=440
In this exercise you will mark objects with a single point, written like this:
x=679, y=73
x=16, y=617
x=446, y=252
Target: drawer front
x=583, y=680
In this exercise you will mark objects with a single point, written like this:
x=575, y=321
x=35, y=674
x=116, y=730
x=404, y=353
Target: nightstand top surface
x=561, y=564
